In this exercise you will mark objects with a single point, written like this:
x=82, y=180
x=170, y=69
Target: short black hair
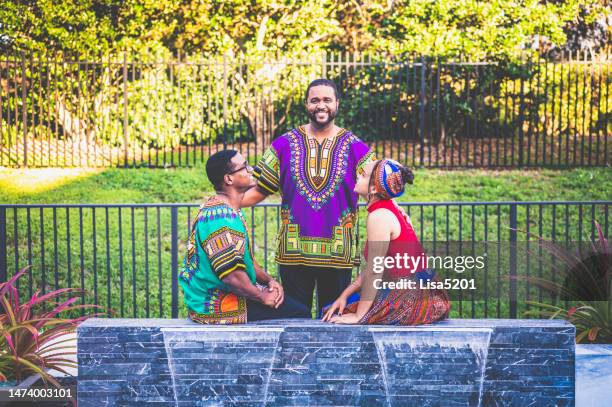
x=322, y=82
x=218, y=165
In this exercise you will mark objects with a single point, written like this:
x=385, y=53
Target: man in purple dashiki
x=314, y=167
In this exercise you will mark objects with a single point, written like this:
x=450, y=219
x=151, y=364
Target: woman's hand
x=346, y=319
x=337, y=307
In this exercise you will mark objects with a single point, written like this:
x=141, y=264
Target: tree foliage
x=171, y=72
x=475, y=29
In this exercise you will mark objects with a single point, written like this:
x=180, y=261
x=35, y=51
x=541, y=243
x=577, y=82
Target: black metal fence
x=160, y=111
x=126, y=257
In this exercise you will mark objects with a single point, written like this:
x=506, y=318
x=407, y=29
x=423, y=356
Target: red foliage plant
x=32, y=339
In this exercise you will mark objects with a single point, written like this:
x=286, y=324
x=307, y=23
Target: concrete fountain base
x=304, y=362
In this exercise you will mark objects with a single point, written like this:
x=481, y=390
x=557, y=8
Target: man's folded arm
x=241, y=285
x=229, y=267
x=268, y=179
x=261, y=275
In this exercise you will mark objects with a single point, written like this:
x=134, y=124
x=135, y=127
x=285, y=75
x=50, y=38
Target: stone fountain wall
x=303, y=362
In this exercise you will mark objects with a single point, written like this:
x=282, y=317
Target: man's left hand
x=275, y=285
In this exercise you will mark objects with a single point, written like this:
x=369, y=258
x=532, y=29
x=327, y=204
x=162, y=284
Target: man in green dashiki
x=222, y=282
x=314, y=167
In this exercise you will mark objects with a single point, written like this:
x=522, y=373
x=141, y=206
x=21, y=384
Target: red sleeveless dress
x=404, y=306
x=406, y=243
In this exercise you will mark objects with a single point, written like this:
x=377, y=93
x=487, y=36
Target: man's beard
x=331, y=115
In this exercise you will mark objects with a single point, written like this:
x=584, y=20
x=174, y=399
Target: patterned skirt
x=406, y=307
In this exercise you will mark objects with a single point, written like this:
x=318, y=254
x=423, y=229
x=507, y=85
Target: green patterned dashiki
x=218, y=245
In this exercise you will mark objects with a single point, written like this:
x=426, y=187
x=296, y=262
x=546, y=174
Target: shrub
x=29, y=332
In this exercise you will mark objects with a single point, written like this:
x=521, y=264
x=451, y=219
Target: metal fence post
x=174, y=253
x=521, y=118
x=225, y=101
x=3, y=265
x=24, y=110
x=323, y=64
x=422, y=112
x=125, y=112
x=512, y=294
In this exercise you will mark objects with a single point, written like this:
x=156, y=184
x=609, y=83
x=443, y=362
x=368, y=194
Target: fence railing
x=150, y=110
x=127, y=256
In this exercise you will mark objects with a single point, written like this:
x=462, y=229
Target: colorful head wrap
x=387, y=179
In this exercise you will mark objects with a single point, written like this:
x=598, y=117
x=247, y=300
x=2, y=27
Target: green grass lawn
x=42, y=186
x=130, y=249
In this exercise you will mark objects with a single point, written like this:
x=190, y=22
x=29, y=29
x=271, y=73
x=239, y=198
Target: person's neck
x=320, y=133
x=231, y=197
x=372, y=200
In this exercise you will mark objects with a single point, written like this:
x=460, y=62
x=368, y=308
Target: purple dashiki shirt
x=319, y=207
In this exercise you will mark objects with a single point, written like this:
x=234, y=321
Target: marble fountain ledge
x=177, y=362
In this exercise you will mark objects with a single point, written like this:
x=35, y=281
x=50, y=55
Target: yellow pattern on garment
x=267, y=171
x=225, y=250
x=338, y=251
x=368, y=158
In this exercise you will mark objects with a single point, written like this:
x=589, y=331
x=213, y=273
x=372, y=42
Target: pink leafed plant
x=32, y=339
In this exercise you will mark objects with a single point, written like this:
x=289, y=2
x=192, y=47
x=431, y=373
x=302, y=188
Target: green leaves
x=476, y=29
x=28, y=333
x=584, y=292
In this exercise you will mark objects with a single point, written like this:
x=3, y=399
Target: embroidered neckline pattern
x=317, y=169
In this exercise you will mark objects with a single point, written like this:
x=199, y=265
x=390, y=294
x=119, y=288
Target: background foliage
x=200, y=71
x=475, y=29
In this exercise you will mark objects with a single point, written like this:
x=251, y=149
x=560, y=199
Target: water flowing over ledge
x=176, y=362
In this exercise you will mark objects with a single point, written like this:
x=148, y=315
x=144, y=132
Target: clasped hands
x=273, y=295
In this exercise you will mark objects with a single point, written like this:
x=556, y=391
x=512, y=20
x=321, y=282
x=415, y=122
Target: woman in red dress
x=391, y=240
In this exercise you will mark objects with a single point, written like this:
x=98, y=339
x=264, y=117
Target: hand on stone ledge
x=346, y=319
x=336, y=308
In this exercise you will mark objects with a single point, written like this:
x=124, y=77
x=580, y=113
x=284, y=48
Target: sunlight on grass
x=143, y=185
x=37, y=180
